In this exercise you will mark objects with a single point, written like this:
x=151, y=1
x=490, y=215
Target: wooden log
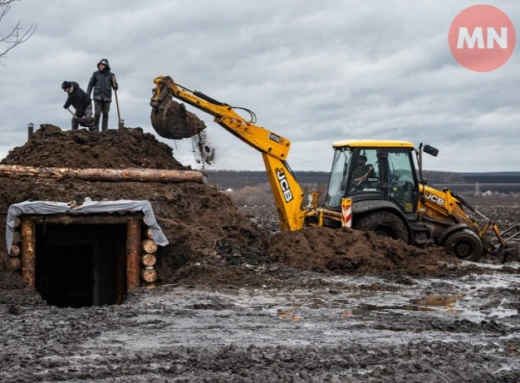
x=84, y=219
x=149, y=233
x=148, y=260
x=17, y=222
x=148, y=285
x=106, y=175
x=149, y=246
x=133, y=249
x=13, y=263
x=17, y=238
x=28, y=251
x=15, y=251
x=149, y=275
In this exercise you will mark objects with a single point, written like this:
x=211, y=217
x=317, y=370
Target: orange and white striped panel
x=346, y=212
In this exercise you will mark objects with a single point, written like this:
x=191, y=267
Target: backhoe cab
x=382, y=179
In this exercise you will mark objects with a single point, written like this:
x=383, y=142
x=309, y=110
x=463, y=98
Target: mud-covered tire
x=383, y=223
x=465, y=245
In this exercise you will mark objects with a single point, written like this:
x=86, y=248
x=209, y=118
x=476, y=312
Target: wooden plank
x=133, y=250
x=28, y=253
x=13, y=263
x=15, y=251
x=148, y=260
x=106, y=175
x=83, y=219
x=149, y=246
x=149, y=275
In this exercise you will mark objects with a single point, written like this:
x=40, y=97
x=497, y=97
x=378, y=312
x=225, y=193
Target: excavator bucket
x=171, y=120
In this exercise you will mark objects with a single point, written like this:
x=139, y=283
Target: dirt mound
x=122, y=148
x=201, y=223
x=344, y=252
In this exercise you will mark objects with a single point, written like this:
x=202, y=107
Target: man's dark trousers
x=101, y=107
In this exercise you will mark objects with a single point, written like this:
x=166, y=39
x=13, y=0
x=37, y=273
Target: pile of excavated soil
x=122, y=148
x=201, y=223
x=351, y=251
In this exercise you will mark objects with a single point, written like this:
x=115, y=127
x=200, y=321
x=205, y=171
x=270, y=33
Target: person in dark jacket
x=79, y=101
x=102, y=81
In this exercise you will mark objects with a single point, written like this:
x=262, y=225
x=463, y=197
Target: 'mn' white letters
x=478, y=37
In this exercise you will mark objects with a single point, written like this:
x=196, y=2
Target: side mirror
x=431, y=150
x=424, y=181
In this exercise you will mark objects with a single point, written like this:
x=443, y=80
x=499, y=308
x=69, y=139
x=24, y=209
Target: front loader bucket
x=171, y=120
x=510, y=251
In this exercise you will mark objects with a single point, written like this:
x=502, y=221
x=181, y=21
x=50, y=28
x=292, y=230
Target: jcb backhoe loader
x=381, y=179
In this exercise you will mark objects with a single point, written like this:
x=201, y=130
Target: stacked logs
x=148, y=260
x=13, y=262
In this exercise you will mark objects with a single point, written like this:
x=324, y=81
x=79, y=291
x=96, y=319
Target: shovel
x=121, y=124
x=83, y=121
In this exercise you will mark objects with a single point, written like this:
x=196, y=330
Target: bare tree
x=15, y=36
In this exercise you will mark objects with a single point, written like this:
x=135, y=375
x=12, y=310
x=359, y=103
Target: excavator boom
x=287, y=192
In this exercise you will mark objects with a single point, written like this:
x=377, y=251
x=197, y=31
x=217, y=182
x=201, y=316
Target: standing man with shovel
x=102, y=82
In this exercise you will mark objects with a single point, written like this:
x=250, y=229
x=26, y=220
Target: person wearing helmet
x=102, y=82
x=79, y=100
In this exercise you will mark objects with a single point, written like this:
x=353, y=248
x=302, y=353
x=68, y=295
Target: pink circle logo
x=482, y=38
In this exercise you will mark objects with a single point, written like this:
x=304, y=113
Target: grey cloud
x=313, y=72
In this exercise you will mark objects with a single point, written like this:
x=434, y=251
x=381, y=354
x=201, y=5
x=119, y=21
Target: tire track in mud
x=351, y=329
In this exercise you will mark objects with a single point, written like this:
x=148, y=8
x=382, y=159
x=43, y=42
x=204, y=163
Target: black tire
x=465, y=245
x=383, y=223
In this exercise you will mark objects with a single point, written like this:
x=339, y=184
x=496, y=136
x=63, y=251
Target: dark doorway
x=81, y=265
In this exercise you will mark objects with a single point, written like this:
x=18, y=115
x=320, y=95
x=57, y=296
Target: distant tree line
x=252, y=187
x=238, y=179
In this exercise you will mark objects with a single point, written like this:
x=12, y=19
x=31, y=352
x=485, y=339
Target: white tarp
x=88, y=207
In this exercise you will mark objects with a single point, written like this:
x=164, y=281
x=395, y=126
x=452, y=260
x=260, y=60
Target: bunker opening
x=81, y=265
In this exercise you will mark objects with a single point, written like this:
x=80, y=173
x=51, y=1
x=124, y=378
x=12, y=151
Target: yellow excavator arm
x=287, y=192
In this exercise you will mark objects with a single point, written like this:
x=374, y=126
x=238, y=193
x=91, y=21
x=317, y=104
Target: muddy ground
x=276, y=324
x=296, y=327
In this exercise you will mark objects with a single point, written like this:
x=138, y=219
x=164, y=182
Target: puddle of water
x=288, y=315
x=437, y=300
x=367, y=309
x=514, y=265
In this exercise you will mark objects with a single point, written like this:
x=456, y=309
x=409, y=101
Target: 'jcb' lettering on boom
x=434, y=198
x=284, y=185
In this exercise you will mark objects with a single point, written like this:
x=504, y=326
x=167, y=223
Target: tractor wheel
x=465, y=245
x=383, y=223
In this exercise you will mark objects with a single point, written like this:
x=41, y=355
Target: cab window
x=338, y=177
x=401, y=180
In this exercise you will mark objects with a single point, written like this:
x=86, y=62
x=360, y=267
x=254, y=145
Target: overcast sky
x=313, y=71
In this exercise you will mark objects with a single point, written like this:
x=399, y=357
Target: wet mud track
x=335, y=329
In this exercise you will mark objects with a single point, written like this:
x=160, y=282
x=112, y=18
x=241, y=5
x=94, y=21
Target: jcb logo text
x=434, y=198
x=284, y=185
